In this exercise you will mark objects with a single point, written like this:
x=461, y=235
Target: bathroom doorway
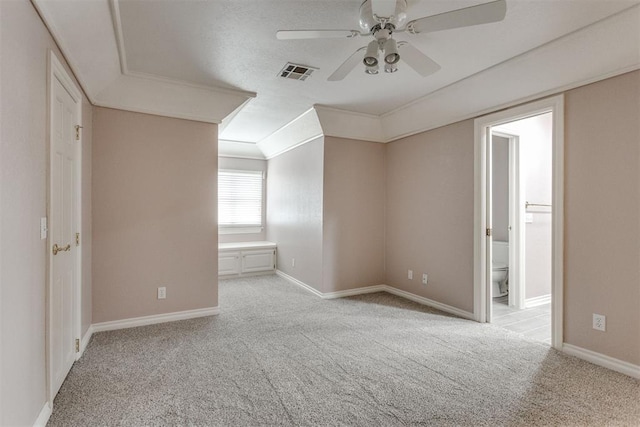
x=518, y=244
x=521, y=190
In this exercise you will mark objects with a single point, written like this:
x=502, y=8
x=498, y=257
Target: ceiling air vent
x=296, y=71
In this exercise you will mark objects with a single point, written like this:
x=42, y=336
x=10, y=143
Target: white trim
x=544, y=94
x=556, y=106
x=44, y=415
x=304, y=128
x=236, y=156
x=117, y=30
x=299, y=283
x=380, y=288
x=347, y=112
x=306, y=141
x=85, y=341
x=480, y=224
x=557, y=227
x=603, y=360
x=356, y=291
x=244, y=275
x=239, y=230
x=429, y=302
x=215, y=89
x=348, y=124
x=153, y=319
x=537, y=301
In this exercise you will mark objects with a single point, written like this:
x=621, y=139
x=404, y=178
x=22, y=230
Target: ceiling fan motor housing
x=371, y=24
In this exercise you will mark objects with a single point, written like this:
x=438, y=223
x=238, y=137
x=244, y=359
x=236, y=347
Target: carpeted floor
x=277, y=355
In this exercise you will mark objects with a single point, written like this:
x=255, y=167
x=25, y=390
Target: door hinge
x=77, y=345
x=78, y=127
x=77, y=239
x=489, y=231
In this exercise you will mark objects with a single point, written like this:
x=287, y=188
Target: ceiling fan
x=382, y=18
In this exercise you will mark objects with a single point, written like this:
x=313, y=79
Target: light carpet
x=278, y=355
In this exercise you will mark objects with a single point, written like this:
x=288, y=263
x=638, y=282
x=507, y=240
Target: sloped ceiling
x=206, y=60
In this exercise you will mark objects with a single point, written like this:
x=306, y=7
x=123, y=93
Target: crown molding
x=613, y=42
x=304, y=128
x=239, y=149
x=350, y=124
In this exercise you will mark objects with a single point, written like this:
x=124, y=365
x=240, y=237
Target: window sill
x=239, y=230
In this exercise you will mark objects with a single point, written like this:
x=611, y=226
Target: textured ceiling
x=232, y=44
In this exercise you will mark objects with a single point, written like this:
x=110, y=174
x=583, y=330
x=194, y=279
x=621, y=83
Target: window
x=240, y=201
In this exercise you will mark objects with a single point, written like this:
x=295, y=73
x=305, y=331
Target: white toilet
x=500, y=272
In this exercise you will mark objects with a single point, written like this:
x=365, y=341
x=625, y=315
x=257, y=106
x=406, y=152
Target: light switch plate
x=43, y=228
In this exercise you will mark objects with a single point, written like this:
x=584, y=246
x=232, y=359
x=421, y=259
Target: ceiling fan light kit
x=381, y=18
x=371, y=56
x=391, y=55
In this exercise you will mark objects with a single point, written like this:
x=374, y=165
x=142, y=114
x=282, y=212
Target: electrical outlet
x=162, y=293
x=293, y=262
x=424, y=278
x=599, y=322
x=410, y=274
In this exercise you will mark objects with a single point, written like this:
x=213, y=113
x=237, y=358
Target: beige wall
x=429, y=218
x=234, y=163
x=24, y=161
x=154, y=214
x=294, y=211
x=602, y=211
x=353, y=214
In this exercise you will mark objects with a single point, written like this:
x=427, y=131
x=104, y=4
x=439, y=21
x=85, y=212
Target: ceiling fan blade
x=347, y=66
x=417, y=60
x=481, y=14
x=383, y=8
x=316, y=34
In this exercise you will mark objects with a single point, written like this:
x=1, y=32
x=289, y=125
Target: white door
x=62, y=233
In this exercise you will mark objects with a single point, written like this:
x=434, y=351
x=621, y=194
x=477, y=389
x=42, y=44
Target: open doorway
x=521, y=205
x=518, y=212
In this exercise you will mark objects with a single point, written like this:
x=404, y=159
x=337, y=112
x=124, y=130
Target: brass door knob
x=57, y=248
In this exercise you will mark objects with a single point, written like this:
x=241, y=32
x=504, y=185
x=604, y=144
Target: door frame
x=57, y=71
x=482, y=249
x=516, y=223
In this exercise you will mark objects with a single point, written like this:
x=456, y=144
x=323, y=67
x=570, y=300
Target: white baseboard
x=429, y=302
x=152, y=320
x=355, y=291
x=44, y=415
x=299, y=283
x=244, y=275
x=603, y=360
x=537, y=301
x=380, y=288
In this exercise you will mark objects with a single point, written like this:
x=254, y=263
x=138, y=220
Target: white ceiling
x=227, y=50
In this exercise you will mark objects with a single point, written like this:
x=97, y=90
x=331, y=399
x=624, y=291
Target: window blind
x=239, y=198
